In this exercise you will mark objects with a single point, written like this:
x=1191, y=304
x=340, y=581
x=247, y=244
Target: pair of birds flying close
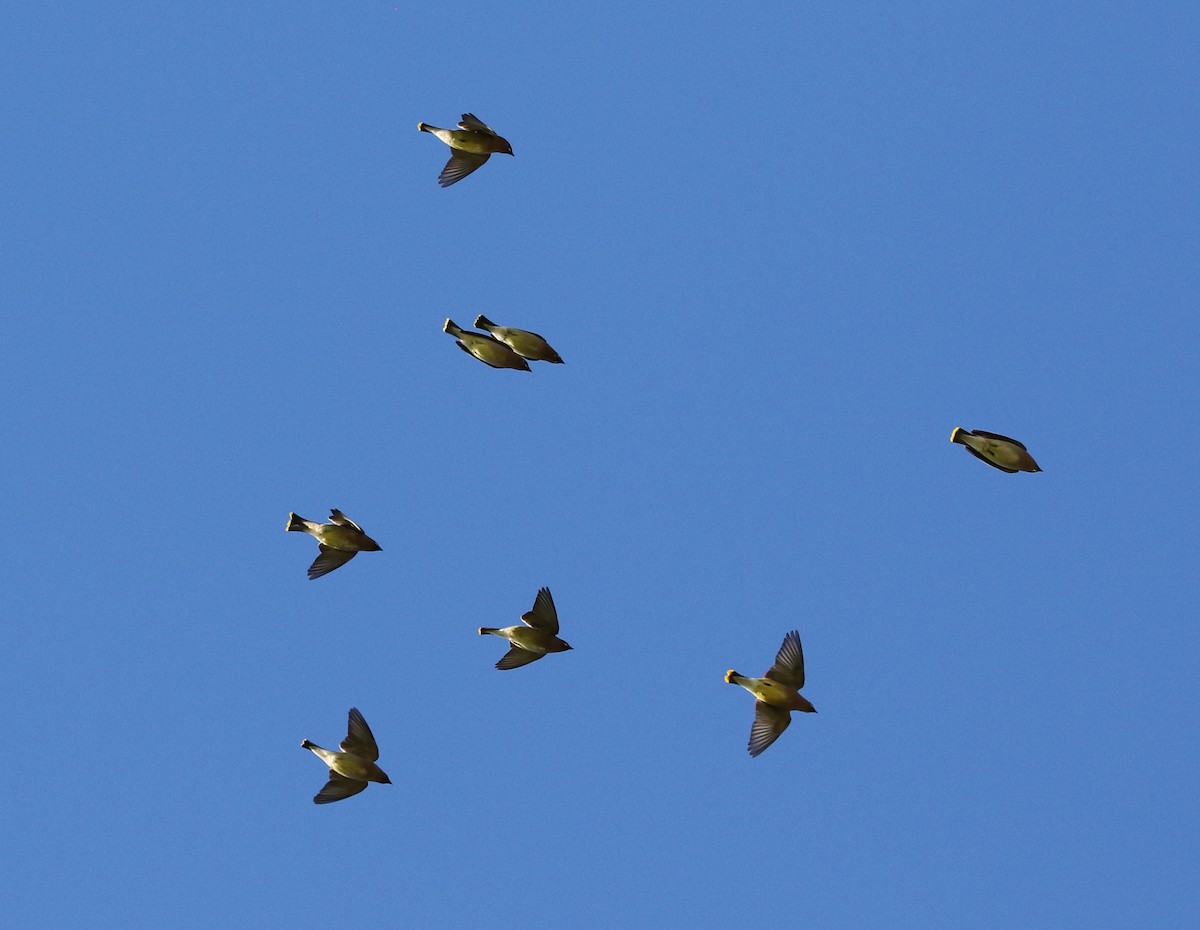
x=502, y=346
x=471, y=144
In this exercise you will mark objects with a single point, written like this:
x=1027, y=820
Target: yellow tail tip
x=954, y=433
x=729, y=675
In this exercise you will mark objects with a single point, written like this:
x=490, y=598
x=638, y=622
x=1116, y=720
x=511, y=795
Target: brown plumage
x=538, y=637
x=473, y=142
x=341, y=540
x=524, y=343
x=487, y=349
x=998, y=451
x=777, y=693
x=351, y=769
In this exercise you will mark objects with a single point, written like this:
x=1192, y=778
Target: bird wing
x=459, y=166
x=516, y=657
x=337, y=788
x=359, y=739
x=984, y=458
x=328, y=560
x=789, y=663
x=986, y=435
x=342, y=520
x=543, y=616
x=473, y=123
x=769, y=722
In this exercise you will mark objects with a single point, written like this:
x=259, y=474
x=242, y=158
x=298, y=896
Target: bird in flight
x=354, y=766
x=778, y=694
x=340, y=541
x=535, y=639
x=998, y=451
x=472, y=143
x=525, y=344
x=487, y=349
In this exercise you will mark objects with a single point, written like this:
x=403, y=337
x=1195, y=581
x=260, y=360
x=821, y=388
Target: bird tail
x=296, y=523
x=484, y=630
x=954, y=435
x=451, y=327
x=307, y=744
x=482, y=322
x=731, y=675
x=424, y=127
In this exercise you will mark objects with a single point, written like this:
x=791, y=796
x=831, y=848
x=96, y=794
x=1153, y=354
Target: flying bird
x=536, y=638
x=473, y=142
x=525, y=344
x=354, y=766
x=488, y=350
x=998, y=451
x=777, y=692
x=340, y=541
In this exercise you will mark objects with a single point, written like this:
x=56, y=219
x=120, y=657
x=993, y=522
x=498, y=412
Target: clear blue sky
x=784, y=249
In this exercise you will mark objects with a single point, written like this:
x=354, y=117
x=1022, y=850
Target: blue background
x=784, y=249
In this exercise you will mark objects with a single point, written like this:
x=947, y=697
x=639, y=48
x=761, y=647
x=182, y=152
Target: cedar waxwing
x=525, y=344
x=488, y=350
x=354, y=766
x=998, y=451
x=531, y=642
x=472, y=143
x=777, y=694
x=340, y=541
